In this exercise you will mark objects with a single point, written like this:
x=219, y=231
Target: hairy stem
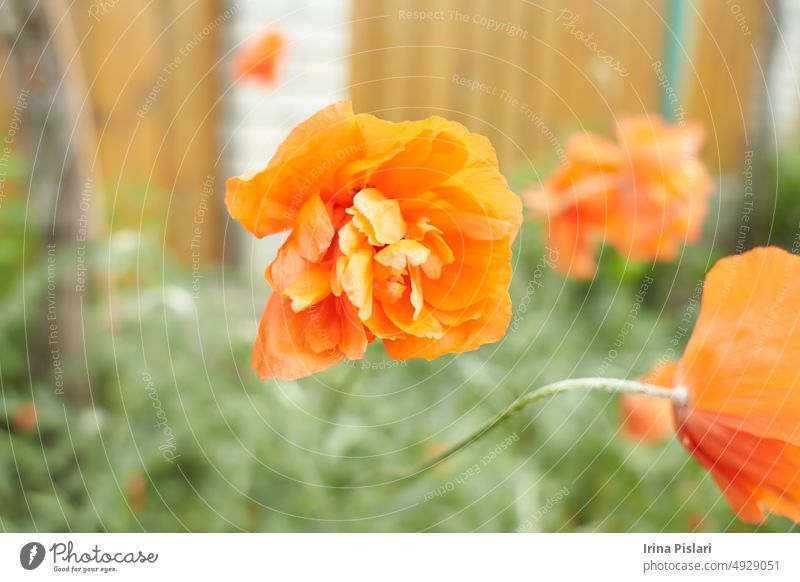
x=611, y=385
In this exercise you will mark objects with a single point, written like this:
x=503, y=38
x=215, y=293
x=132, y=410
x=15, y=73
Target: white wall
x=315, y=74
x=784, y=89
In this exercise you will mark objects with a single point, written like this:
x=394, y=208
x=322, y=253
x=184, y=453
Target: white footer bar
x=401, y=557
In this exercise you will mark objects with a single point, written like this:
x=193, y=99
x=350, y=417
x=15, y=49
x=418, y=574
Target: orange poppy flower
x=136, y=490
x=644, y=195
x=260, y=59
x=398, y=231
x=645, y=418
x=24, y=419
x=742, y=382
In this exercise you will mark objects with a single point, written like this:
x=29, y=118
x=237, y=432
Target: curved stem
x=611, y=385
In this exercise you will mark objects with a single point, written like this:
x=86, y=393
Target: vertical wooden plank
x=191, y=147
x=150, y=71
x=501, y=73
x=480, y=70
x=467, y=64
x=432, y=57
x=567, y=82
x=396, y=66
x=123, y=64
x=537, y=96
x=518, y=41
x=408, y=87
x=642, y=33
x=719, y=85
x=371, y=21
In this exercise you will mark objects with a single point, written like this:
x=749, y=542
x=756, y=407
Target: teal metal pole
x=673, y=37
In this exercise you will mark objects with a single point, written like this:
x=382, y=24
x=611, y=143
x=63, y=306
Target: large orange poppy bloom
x=645, y=195
x=260, y=59
x=398, y=231
x=741, y=378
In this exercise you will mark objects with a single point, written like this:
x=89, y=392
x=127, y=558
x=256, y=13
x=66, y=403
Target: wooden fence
x=152, y=71
x=523, y=72
x=526, y=73
x=145, y=79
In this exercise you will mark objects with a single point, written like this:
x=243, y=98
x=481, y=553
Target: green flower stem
x=611, y=385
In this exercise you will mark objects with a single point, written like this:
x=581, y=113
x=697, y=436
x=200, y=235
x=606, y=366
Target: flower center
x=385, y=256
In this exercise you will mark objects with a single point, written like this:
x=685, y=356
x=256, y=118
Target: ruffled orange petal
x=310, y=288
x=467, y=224
x=354, y=337
x=288, y=266
x=350, y=239
x=413, y=320
x=756, y=474
x=655, y=147
x=403, y=253
x=469, y=169
x=357, y=283
x=426, y=161
x=574, y=237
x=305, y=163
x=322, y=331
x=378, y=217
x=465, y=281
x=588, y=150
x=475, y=331
x=741, y=360
x=313, y=229
x=292, y=345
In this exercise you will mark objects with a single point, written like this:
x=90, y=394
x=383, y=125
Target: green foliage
x=777, y=201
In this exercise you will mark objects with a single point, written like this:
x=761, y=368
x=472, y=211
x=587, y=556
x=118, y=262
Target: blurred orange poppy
x=645, y=418
x=259, y=60
x=24, y=419
x=741, y=378
x=136, y=490
x=398, y=231
x=644, y=195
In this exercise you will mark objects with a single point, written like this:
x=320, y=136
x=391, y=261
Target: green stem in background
x=611, y=385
